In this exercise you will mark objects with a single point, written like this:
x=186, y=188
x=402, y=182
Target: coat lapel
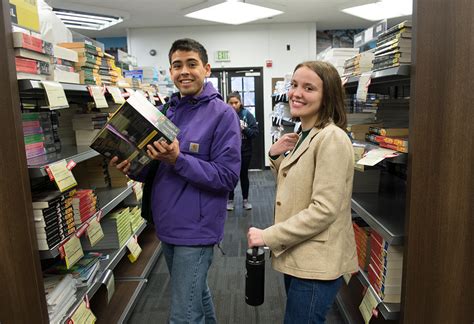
x=294, y=155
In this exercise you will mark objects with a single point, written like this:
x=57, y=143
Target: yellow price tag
x=82, y=315
x=134, y=249
x=94, y=232
x=73, y=251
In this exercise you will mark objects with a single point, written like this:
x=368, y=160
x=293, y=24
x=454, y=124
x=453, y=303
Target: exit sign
x=222, y=56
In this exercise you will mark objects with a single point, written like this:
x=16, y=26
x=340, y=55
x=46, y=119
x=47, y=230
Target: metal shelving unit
x=384, y=211
x=108, y=200
x=398, y=73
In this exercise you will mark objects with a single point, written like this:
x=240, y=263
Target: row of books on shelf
x=75, y=62
x=381, y=261
x=40, y=133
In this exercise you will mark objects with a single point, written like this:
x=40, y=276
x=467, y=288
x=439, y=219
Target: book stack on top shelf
x=393, y=47
x=62, y=65
x=358, y=64
x=89, y=61
x=32, y=56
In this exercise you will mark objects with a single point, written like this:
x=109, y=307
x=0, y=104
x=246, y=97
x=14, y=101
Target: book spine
x=398, y=148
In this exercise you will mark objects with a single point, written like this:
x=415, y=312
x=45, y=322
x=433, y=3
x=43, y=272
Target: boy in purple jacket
x=191, y=185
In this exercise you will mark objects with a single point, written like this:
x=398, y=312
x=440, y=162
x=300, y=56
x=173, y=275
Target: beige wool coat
x=313, y=237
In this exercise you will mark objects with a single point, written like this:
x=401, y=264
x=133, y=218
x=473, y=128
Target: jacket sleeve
x=221, y=172
x=333, y=159
x=251, y=131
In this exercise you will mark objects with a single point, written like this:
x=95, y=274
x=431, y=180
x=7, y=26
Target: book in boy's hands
x=131, y=128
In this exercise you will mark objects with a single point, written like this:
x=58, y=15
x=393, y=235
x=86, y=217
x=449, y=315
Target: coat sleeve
x=221, y=172
x=251, y=131
x=333, y=159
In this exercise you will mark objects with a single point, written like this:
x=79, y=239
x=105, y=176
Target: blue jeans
x=308, y=301
x=191, y=300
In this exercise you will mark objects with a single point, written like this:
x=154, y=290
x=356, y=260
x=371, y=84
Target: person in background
x=312, y=240
x=190, y=187
x=249, y=128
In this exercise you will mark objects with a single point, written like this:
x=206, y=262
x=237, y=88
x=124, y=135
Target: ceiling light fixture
x=83, y=20
x=382, y=9
x=232, y=12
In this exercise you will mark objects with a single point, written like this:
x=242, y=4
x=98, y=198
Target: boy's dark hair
x=189, y=45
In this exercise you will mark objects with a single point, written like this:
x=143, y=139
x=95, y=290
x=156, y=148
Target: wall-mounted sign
x=222, y=56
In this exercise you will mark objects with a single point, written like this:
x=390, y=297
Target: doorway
x=249, y=83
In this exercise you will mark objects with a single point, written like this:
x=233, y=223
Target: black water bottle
x=255, y=277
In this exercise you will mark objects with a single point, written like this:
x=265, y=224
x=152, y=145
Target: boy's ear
x=208, y=70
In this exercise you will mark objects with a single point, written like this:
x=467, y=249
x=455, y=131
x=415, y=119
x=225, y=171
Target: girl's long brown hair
x=332, y=106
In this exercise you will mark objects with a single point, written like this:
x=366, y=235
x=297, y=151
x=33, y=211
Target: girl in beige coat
x=312, y=240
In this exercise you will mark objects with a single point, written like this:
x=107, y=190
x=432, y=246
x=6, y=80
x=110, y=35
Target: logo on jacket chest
x=194, y=147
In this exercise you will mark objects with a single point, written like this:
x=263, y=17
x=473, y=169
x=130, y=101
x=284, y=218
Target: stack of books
x=136, y=219
x=358, y=64
x=32, y=56
x=117, y=178
x=92, y=173
x=84, y=203
x=60, y=293
x=385, y=268
x=117, y=230
x=87, y=126
x=38, y=134
x=337, y=57
x=89, y=61
x=54, y=217
x=390, y=138
x=362, y=237
x=62, y=65
x=393, y=47
x=109, y=73
x=393, y=113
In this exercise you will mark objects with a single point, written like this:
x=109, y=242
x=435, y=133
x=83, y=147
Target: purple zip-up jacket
x=188, y=200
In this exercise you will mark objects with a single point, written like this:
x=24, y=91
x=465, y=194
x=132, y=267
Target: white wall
x=249, y=46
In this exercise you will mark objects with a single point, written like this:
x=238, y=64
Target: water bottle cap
x=256, y=254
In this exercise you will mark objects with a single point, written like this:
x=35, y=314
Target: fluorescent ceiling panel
x=382, y=10
x=82, y=20
x=234, y=13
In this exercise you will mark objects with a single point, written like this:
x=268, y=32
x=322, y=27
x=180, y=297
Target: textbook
x=131, y=128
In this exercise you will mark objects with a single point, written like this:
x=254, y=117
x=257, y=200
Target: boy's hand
x=123, y=166
x=162, y=151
